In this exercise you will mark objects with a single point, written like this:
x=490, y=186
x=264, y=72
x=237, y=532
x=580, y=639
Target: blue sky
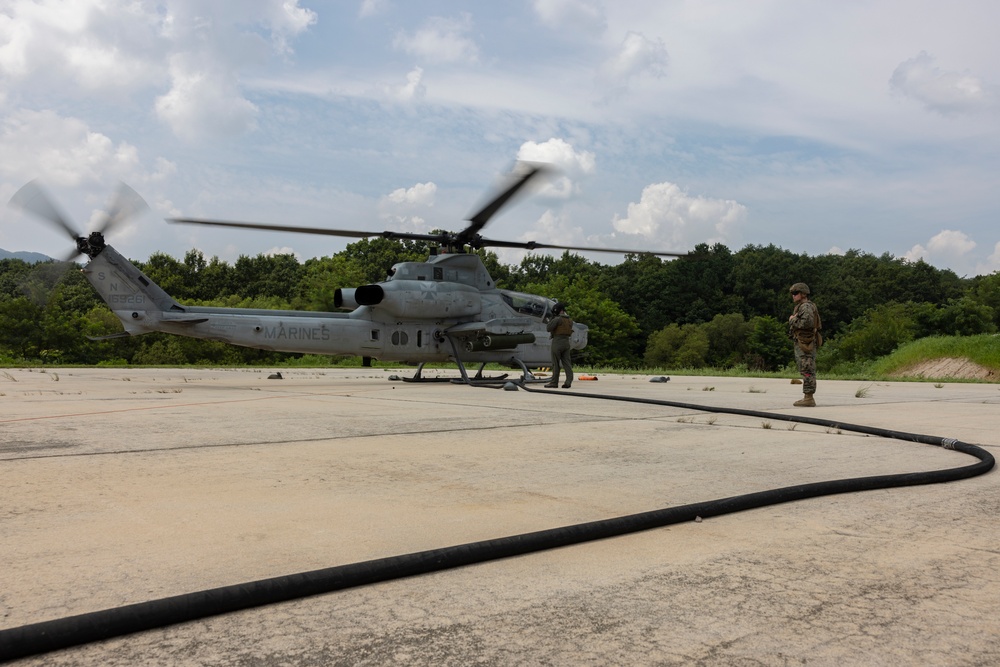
x=817, y=126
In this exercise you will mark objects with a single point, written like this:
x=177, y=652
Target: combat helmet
x=800, y=287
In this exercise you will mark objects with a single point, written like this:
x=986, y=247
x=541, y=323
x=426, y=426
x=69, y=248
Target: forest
x=710, y=308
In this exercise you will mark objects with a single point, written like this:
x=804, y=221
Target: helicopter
x=445, y=309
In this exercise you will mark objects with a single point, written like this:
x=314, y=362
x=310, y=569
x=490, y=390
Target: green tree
x=701, y=286
x=608, y=324
x=878, y=332
x=20, y=328
x=174, y=277
x=215, y=279
x=985, y=290
x=641, y=286
x=966, y=317
x=678, y=346
x=13, y=274
x=267, y=275
x=761, y=277
x=768, y=345
x=322, y=277
x=727, y=339
x=536, y=269
x=377, y=255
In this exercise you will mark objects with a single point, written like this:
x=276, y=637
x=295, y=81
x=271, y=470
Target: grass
x=983, y=350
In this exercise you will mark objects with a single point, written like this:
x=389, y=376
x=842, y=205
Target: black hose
x=61, y=633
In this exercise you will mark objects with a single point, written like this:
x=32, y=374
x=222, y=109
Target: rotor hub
x=92, y=245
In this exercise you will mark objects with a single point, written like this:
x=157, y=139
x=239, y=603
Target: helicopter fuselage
x=445, y=309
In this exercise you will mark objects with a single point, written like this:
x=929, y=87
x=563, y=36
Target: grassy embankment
x=983, y=350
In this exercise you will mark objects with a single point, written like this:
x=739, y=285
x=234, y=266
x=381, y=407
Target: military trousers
x=560, y=357
x=806, y=362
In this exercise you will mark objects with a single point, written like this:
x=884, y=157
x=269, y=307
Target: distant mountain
x=29, y=257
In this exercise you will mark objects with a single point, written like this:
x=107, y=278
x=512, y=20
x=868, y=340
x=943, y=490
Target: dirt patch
x=949, y=367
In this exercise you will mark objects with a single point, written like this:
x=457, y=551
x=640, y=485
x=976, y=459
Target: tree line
x=712, y=307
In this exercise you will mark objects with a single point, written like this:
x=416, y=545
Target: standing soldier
x=561, y=328
x=803, y=328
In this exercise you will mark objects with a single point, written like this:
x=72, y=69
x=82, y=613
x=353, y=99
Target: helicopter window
x=400, y=338
x=438, y=273
x=420, y=338
x=374, y=334
x=524, y=304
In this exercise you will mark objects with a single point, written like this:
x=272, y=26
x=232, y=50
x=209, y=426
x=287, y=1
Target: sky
x=812, y=125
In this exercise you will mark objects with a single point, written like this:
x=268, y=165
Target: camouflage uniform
x=803, y=327
x=561, y=328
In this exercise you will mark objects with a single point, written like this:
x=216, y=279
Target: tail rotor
x=125, y=204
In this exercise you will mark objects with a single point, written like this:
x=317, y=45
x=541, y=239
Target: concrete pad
x=119, y=486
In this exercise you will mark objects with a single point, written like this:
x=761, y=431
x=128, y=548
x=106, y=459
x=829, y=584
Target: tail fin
x=136, y=300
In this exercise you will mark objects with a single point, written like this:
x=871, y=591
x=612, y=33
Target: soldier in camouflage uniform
x=804, y=329
x=561, y=328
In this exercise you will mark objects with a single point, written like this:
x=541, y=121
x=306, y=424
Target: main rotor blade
x=444, y=238
x=350, y=233
x=35, y=199
x=533, y=245
x=480, y=219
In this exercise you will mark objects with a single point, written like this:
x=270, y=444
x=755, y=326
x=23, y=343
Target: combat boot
x=806, y=401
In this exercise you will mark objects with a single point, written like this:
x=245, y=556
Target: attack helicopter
x=445, y=309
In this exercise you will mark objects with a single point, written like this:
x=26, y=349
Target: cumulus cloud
x=371, y=8
x=570, y=165
x=555, y=228
x=63, y=151
x=81, y=164
x=572, y=16
x=209, y=48
x=204, y=102
x=441, y=40
x=948, y=246
x=400, y=207
x=943, y=91
x=916, y=253
x=951, y=242
x=636, y=56
x=285, y=20
x=192, y=53
x=668, y=216
x=992, y=263
x=421, y=194
x=82, y=46
x=412, y=90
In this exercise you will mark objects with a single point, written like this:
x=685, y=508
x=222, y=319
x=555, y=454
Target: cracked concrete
x=124, y=485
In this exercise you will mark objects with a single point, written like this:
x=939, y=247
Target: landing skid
x=478, y=378
x=417, y=377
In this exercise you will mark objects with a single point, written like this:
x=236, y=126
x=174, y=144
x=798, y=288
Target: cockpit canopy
x=528, y=304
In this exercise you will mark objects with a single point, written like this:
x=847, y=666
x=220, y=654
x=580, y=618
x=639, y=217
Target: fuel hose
x=46, y=636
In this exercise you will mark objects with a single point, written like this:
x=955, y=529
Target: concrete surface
x=122, y=485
